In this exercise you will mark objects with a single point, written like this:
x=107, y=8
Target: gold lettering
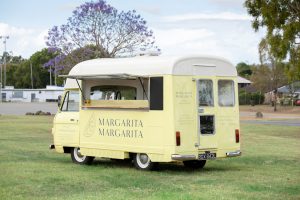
x=128, y=122
x=141, y=135
x=141, y=123
x=128, y=133
x=112, y=122
x=101, y=131
x=117, y=122
x=131, y=131
x=117, y=132
x=112, y=132
x=101, y=122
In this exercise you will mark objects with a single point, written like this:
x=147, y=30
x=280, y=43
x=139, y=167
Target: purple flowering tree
x=98, y=30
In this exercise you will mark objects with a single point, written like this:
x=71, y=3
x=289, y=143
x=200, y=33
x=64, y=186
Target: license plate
x=207, y=156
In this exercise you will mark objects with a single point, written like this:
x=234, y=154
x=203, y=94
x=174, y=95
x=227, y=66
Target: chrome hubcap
x=78, y=156
x=143, y=160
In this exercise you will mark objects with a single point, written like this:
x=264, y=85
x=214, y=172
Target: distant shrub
x=254, y=98
x=38, y=113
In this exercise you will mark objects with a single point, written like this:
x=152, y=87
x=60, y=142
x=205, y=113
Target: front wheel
x=194, y=164
x=80, y=159
x=142, y=161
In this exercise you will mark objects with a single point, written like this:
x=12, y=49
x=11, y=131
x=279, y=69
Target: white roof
x=155, y=65
x=243, y=80
x=150, y=66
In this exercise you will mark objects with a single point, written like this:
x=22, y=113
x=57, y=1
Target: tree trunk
x=275, y=101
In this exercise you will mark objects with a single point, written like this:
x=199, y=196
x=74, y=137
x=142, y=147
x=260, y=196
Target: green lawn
x=268, y=169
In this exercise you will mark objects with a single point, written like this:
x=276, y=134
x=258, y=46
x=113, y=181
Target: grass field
x=268, y=169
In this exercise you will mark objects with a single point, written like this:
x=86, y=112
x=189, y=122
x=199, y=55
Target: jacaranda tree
x=98, y=30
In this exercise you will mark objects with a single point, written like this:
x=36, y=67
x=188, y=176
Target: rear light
x=237, y=135
x=177, y=138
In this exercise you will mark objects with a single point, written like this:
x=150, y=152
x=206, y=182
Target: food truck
x=149, y=109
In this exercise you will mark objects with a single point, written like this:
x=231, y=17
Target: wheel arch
x=67, y=149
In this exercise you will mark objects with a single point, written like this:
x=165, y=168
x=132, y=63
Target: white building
x=49, y=94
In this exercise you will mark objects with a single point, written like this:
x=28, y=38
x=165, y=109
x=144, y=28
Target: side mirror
x=59, y=101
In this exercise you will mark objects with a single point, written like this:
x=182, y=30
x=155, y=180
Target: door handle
x=72, y=120
x=201, y=110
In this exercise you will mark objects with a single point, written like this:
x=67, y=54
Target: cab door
x=67, y=119
x=206, y=115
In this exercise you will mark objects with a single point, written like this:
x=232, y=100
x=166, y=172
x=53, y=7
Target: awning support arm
x=80, y=89
x=143, y=87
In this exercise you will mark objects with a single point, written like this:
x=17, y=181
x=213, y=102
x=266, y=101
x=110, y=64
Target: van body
x=150, y=109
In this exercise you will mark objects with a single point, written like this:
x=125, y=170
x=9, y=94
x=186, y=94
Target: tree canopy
x=244, y=70
x=282, y=22
x=98, y=30
x=19, y=70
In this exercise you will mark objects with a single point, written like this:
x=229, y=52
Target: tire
x=77, y=158
x=194, y=164
x=142, y=162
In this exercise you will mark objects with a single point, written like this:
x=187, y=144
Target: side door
x=67, y=119
x=206, y=115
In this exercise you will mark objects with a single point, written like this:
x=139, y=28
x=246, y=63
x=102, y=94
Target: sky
x=181, y=27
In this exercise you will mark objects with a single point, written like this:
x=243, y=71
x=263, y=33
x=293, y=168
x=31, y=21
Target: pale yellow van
x=149, y=109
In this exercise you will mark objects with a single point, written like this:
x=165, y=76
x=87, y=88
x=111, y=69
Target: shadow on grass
x=162, y=167
x=175, y=167
x=112, y=162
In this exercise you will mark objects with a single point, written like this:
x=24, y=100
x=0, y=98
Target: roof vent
x=204, y=65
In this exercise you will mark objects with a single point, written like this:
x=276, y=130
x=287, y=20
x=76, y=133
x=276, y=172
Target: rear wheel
x=80, y=159
x=142, y=161
x=194, y=164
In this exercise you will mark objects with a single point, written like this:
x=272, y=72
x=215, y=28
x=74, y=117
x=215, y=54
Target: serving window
x=116, y=93
x=113, y=92
x=124, y=92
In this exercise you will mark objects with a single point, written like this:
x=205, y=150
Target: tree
x=272, y=69
x=282, y=20
x=261, y=79
x=19, y=70
x=64, y=63
x=96, y=29
x=12, y=64
x=244, y=70
x=41, y=74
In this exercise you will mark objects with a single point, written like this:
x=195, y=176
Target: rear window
x=207, y=124
x=205, y=96
x=226, y=93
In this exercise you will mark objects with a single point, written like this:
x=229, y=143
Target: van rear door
x=228, y=114
x=206, y=115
